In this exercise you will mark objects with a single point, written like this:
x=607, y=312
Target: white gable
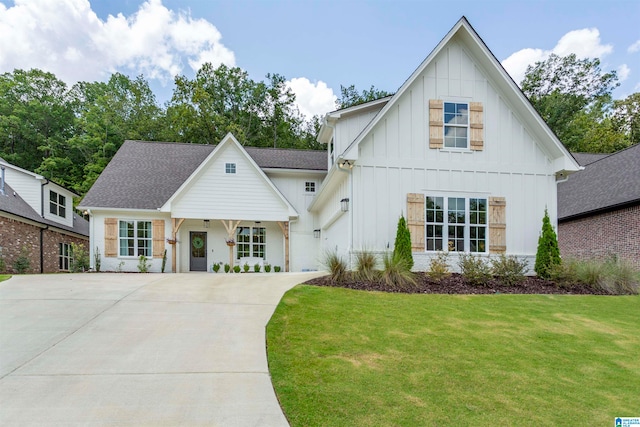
x=212, y=193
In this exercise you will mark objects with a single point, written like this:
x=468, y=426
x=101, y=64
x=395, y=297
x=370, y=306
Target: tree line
x=69, y=134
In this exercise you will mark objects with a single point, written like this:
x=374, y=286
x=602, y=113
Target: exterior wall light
x=316, y=233
x=344, y=204
x=206, y=223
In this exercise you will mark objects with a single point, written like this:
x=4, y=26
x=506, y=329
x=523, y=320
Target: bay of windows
x=456, y=224
x=135, y=238
x=251, y=242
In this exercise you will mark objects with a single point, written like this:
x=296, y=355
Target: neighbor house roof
x=585, y=158
x=608, y=183
x=144, y=175
x=12, y=203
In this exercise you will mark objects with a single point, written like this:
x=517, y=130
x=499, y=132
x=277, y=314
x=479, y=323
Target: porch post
x=231, y=230
x=176, y=223
x=284, y=226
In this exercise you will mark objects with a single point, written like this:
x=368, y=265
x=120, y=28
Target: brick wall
x=600, y=236
x=16, y=235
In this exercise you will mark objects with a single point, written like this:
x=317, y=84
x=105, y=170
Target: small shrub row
x=396, y=272
x=236, y=268
x=510, y=270
x=611, y=276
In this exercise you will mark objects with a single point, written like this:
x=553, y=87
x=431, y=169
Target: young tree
x=402, y=245
x=548, y=253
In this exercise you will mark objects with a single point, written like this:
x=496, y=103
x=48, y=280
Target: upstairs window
x=229, y=168
x=310, y=187
x=456, y=125
x=57, y=204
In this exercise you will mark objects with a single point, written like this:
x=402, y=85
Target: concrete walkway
x=139, y=349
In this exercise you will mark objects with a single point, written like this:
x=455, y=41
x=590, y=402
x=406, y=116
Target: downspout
x=42, y=230
x=46, y=227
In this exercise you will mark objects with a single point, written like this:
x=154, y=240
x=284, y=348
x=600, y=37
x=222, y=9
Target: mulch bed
x=457, y=284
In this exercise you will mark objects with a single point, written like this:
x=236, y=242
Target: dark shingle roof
x=144, y=175
x=584, y=159
x=12, y=203
x=612, y=181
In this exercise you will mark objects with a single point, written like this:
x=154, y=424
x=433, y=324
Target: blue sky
x=316, y=45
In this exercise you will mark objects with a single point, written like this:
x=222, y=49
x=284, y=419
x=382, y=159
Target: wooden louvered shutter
x=497, y=225
x=436, y=123
x=415, y=220
x=477, y=126
x=110, y=237
x=158, y=238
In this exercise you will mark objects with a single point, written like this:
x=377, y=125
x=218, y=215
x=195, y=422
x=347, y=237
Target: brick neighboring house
x=37, y=219
x=599, y=207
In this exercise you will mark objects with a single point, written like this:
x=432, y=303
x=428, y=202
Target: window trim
x=59, y=205
x=309, y=186
x=230, y=168
x=62, y=257
x=445, y=224
x=466, y=126
x=251, y=242
x=136, y=248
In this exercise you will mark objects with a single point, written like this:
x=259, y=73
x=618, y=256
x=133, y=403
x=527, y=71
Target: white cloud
x=67, y=38
x=634, y=47
x=312, y=99
x=585, y=43
x=623, y=72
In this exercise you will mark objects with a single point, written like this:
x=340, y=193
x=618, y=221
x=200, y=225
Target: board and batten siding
x=349, y=127
x=244, y=195
x=395, y=159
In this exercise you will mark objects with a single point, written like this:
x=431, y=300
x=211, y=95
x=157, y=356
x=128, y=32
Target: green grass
x=4, y=277
x=349, y=358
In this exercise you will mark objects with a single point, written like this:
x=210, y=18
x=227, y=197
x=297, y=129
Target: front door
x=198, y=259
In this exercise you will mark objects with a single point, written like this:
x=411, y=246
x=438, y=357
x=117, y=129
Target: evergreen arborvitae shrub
x=402, y=245
x=548, y=254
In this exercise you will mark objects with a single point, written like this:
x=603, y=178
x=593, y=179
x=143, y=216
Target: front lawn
x=4, y=277
x=340, y=357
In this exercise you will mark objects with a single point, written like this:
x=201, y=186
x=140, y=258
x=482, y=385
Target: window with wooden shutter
x=415, y=220
x=158, y=238
x=476, y=123
x=497, y=225
x=436, y=123
x=110, y=237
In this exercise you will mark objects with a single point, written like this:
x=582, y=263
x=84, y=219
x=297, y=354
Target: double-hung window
x=456, y=125
x=135, y=238
x=456, y=224
x=57, y=204
x=251, y=242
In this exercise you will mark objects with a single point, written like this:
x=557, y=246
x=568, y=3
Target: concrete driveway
x=138, y=349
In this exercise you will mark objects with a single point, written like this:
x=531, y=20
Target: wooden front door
x=198, y=258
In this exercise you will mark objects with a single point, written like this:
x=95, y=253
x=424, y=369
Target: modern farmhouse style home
x=458, y=150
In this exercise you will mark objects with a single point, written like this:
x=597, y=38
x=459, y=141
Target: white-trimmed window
x=456, y=125
x=310, y=187
x=57, y=204
x=65, y=256
x=456, y=224
x=251, y=242
x=134, y=238
x=229, y=168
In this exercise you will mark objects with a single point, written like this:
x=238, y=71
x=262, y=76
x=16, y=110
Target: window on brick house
x=65, y=258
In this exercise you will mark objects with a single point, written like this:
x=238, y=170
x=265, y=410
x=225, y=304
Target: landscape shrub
x=439, y=266
x=336, y=266
x=216, y=267
x=402, y=244
x=396, y=273
x=256, y=268
x=475, y=269
x=610, y=276
x=97, y=259
x=164, y=261
x=245, y=267
x=267, y=268
x=236, y=269
x=79, y=258
x=366, y=263
x=22, y=262
x=3, y=266
x=548, y=253
x=510, y=270
x=143, y=264
x=276, y=269
x=227, y=268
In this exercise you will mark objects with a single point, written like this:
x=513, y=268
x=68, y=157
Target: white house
x=458, y=150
